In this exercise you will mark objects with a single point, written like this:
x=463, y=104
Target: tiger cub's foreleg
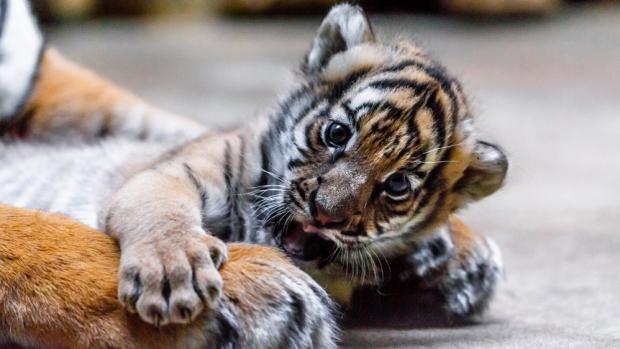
x=462, y=264
x=58, y=288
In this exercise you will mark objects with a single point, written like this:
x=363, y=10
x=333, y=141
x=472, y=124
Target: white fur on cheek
x=20, y=44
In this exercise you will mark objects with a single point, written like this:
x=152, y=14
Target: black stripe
x=359, y=230
x=378, y=227
x=3, y=11
x=202, y=193
x=397, y=212
x=227, y=234
x=312, y=203
x=377, y=190
x=105, y=126
x=16, y=126
x=432, y=215
x=285, y=107
x=412, y=141
x=434, y=70
x=296, y=118
x=308, y=135
x=399, y=83
x=337, y=90
x=240, y=174
x=412, y=132
x=325, y=300
x=395, y=206
x=295, y=201
x=34, y=76
x=228, y=168
x=300, y=190
x=433, y=181
x=351, y=115
x=337, y=154
x=294, y=163
x=16, y=121
x=265, y=162
x=439, y=121
x=393, y=112
x=302, y=151
x=299, y=311
x=406, y=64
x=227, y=332
x=373, y=106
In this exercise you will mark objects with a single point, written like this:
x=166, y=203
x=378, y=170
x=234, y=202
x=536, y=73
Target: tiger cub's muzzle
x=335, y=201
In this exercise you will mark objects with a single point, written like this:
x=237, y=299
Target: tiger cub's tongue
x=311, y=229
x=303, y=242
x=295, y=241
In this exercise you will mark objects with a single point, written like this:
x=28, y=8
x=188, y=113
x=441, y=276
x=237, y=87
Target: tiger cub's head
x=378, y=147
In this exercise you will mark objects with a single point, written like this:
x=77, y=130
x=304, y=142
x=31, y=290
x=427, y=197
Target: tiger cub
x=363, y=162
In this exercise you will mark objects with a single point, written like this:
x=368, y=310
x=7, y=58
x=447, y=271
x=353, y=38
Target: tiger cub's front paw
x=465, y=274
x=171, y=280
x=469, y=281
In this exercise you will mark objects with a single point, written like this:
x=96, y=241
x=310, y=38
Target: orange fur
x=70, y=100
x=462, y=236
x=58, y=285
x=58, y=278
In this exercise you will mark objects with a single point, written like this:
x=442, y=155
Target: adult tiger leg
x=69, y=101
x=45, y=97
x=58, y=285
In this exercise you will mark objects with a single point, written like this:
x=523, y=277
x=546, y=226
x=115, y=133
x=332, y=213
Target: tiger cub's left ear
x=344, y=27
x=485, y=174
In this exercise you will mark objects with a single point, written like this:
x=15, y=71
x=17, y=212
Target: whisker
x=444, y=147
x=435, y=162
x=273, y=175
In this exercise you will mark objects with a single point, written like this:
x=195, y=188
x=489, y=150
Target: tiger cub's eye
x=337, y=134
x=397, y=184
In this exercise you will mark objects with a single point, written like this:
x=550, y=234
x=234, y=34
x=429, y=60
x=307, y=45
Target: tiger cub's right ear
x=344, y=27
x=485, y=174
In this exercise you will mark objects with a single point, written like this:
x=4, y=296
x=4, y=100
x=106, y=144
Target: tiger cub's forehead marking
x=398, y=115
x=404, y=107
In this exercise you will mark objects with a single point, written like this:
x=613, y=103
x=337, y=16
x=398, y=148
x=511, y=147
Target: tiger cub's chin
x=461, y=265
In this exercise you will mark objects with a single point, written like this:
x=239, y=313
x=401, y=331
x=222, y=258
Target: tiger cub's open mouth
x=307, y=242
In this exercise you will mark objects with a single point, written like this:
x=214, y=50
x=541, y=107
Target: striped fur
x=67, y=101
x=285, y=181
x=58, y=290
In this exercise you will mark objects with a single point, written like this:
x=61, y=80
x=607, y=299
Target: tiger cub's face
x=383, y=151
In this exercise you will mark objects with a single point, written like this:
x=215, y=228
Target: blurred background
x=59, y=10
x=544, y=79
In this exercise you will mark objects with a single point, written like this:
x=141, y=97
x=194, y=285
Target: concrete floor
x=547, y=90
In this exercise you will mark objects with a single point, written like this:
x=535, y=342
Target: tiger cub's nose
x=322, y=217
